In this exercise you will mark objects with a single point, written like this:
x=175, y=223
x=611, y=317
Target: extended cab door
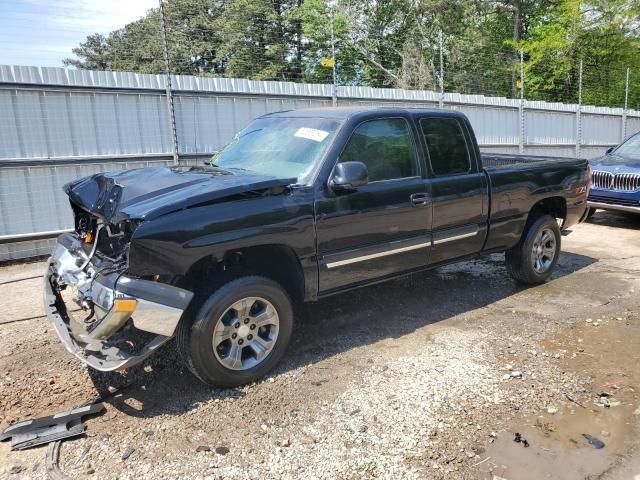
x=458, y=187
x=382, y=228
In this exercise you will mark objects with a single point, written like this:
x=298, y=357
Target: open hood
x=147, y=193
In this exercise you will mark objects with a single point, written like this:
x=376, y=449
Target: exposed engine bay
x=108, y=241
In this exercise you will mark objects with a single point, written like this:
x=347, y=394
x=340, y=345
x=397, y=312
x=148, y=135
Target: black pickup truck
x=300, y=205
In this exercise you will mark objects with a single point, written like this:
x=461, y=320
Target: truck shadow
x=630, y=221
x=335, y=325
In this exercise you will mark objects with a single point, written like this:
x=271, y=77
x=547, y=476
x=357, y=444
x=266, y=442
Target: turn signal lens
x=122, y=305
x=88, y=237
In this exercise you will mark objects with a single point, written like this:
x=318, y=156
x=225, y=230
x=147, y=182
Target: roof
x=349, y=112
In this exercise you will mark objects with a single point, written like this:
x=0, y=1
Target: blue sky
x=43, y=32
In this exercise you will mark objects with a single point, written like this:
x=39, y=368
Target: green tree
x=603, y=34
x=137, y=47
x=93, y=54
x=392, y=43
x=316, y=20
x=261, y=40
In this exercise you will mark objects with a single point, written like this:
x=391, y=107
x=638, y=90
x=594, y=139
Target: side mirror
x=609, y=150
x=348, y=176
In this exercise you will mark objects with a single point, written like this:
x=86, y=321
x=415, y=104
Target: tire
x=255, y=299
x=521, y=259
x=591, y=213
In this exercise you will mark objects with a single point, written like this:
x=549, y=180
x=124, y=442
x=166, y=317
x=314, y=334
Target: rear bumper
x=613, y=206
x=115, y=339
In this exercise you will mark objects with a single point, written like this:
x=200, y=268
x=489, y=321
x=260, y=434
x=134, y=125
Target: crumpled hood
x=147, y=193
x=616, y=164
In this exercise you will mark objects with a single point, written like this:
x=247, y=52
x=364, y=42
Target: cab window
x=385, y=147
x=446, y=145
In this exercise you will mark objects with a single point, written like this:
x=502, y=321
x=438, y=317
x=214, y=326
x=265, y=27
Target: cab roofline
x=344, y=113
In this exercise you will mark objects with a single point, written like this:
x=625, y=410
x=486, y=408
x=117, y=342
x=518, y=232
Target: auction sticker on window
x=311, y=134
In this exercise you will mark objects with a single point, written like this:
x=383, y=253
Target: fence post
x=579, y=115
x=626, y=108
x=521, y=108
x=334, y=94
x=170, y=106
x=441, y=40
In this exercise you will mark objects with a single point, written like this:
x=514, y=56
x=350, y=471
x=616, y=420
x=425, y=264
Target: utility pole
x=626, y=107
x=441, y=41
x=521, y=109
x=170, y=106
x=334, y=95
x=579, y=114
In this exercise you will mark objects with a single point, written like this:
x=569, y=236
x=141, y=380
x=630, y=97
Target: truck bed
x=500, y=160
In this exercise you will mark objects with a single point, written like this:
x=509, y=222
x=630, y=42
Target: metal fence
x=59, y=124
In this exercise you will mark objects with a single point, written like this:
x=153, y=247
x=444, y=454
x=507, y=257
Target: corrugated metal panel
x=633, y=125
x=592, y=152
x=49, y=124
x=10, y=143
x=499, y=149
x=205, y=124
x=32, y=200
x=493, y=125
x=601, y=129
x=549, y=128
x=72, y=115
x=26, y=249
x=128, y=80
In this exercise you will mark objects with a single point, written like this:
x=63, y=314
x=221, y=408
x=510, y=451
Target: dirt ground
x=426, y=377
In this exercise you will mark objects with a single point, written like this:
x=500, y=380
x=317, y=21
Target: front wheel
x=533, y=259
x=240, y=333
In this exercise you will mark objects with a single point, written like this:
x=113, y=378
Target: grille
x=625, y=182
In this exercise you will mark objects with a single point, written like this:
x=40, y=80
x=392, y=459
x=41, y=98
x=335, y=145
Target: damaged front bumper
x=132, y=317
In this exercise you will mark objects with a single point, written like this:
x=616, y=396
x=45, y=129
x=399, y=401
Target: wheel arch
x=277, y=262
x=556, y=206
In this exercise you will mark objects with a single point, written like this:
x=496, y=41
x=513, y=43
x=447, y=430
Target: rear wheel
x=240, y=333
x=533, y=259
x=591, y=212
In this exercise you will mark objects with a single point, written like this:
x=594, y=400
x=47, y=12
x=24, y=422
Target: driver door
x=381, y=229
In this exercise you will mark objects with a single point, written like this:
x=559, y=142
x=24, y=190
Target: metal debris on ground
x=520, y=439
x=574, y=401
x=52, y=462
x=128, y=452
x=593, y=441
x=38, y=431
x=613, y=385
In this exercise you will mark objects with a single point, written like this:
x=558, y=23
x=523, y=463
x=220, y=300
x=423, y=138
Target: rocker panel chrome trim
x=385, y=253
x=455, y=237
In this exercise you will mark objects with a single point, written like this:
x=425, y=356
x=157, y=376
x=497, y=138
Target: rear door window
x=446, y=145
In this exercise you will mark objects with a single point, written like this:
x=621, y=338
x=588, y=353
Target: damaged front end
x=102, y=291
x=106, y=318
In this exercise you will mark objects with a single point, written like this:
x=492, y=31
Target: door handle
x=419, y=199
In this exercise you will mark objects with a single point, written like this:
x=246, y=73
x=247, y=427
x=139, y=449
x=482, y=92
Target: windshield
x=278, y=146
x=630, y=148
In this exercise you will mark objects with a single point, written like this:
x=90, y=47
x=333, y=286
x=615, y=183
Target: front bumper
x=116, y=339
x=613, y=206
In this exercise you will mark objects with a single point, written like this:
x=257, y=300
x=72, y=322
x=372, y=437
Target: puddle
x=607, y=353
x=489, y=266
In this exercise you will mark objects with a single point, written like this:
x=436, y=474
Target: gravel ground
x=425, y=377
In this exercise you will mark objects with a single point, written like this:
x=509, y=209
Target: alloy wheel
x=543, y=251
x=246, y=333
